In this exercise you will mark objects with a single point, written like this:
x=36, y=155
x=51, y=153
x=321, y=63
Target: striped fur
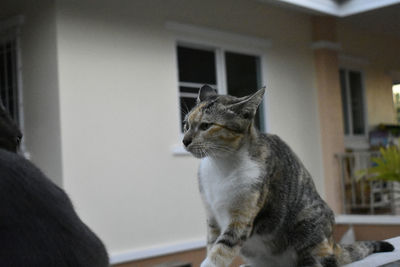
x=260, y=200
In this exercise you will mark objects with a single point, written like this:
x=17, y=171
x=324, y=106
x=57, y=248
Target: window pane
x=8, y=78
x=192, y=90
x=357, y=102
x=196, y=65
x=243, y=77
x=187, y=103
x=344, y=101
x=396, y=100
x=10, y=82
x=3, y=75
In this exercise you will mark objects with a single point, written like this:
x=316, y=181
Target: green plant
x=386, y=167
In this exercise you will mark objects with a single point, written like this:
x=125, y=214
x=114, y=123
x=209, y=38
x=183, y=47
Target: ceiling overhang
x=339, y=8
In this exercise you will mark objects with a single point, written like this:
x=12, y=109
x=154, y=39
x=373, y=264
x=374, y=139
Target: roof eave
x=333, y=8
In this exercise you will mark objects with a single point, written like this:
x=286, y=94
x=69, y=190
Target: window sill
x=358, y=142
x=178, y=150
x=368, y=219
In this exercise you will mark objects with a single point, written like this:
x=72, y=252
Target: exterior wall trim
x=140, y=254
x=379, y=259
x=347, y=61
x=340, y=10
x=368, y=219
x=326, y=45
x=216, y=35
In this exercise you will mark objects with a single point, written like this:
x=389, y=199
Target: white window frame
x=356, y=141
x=12, y=29
x=219, y=41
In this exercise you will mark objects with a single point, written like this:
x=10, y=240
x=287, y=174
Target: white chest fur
x=224, y=181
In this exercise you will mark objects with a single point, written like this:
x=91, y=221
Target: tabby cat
x=260, y=200
x=38, y=224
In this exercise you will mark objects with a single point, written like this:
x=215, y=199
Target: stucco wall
x=39, y=82
x=120, y=115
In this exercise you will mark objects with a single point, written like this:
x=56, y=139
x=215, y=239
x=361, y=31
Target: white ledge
x=188, y=30
x=161, y=250
x=156, y=251
x=378, y=259
x=368, y=219
x=178, y=150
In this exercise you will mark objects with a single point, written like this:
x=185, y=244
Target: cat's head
x=219, y=124
x=10, y=135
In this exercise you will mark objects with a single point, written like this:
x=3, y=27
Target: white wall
x=39, y=82
x=120, y=115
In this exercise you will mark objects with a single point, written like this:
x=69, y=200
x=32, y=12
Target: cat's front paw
x=207, y=263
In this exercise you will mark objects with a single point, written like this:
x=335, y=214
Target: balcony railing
x=361, y=195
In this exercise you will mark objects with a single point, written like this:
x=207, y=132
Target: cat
x=260, y=200
x=38, y=224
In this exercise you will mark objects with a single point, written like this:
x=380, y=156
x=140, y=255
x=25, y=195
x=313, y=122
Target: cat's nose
x=187, y=141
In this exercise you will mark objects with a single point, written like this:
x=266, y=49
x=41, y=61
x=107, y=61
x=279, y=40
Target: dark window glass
x=243, y=77
x=196, y=65
x=3, y=74
x=192, y=90
x=187, y=103
x=357, y=102
x=8, y=78
x=344, y=102
x=353, y=102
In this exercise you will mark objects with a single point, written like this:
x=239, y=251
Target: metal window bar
x=361, y=195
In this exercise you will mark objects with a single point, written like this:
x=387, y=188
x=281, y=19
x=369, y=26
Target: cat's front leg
x=213, y=232
x=230, y=241
x=227, y=245
x=213, y=229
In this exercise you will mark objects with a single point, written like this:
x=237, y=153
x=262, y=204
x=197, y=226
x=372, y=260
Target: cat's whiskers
x=185, y=111
x=199, y=149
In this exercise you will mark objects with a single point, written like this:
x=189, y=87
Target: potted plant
x=386, y=167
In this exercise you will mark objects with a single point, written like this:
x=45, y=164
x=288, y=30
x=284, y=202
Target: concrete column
x=330, y=105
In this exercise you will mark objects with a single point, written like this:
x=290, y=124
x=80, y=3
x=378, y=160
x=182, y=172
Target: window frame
x=199, y=37
x=355, y=141
x=10, y=29
x=221, y=78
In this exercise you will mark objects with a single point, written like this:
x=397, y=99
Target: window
x=10, y=72
x=8, y=77
x=351, y=82
x=396, y=100
x=228, y=72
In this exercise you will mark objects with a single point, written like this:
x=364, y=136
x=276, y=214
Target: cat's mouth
x=196, y=150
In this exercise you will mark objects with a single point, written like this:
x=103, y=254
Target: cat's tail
x=361, y=249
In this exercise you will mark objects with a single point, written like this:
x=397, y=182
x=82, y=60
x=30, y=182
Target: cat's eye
x=204, y=126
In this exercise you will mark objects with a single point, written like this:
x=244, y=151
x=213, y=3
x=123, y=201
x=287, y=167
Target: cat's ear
x=247, y=107
x=205, y=92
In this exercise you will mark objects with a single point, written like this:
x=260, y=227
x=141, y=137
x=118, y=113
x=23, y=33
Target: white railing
x=360, y=195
